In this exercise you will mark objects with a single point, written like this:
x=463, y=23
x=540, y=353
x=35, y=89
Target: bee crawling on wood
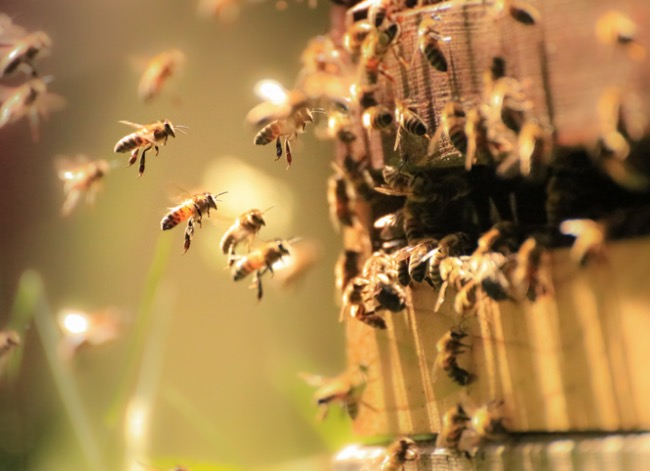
x=146, y=137
x=452, y=124
x=430, y=43
x=400, y=452
x=355, y=297
x=449, y=346
x=190, y=210
x=346, y=389
x=260, y=261
x=244, y=229
x=454, y=422
x=488, y=421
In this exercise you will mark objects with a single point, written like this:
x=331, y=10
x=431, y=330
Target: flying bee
x=373, y=50
x=400, y=452
x=355, y=35
x=158, y=71
x=303, y=255
x=520, y=10
x=340, y=202
x=452, y=124
x=244, y=229
x=278, y=103
x=190, y=210
x=614, y=27
x=259, y=262
x=430, y=43
x=509, y=103
x=82, y=178
x=346, y=389
x=80, y=328
x=488, y=421
x=377, y=118
x=31, y=100
x=454, y=422
x=146, y=137
x=408, y=120
x=24, y=49
x=590, y=239
x=9, y=340
x=285, y=128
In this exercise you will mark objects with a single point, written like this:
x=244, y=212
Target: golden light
x=75, y=323
x=271, y=90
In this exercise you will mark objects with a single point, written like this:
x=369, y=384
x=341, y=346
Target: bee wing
x=68, y=168
x=49, y=102
x=8, y=30
x=133, y=125
x=313, y=380
x=266, y=112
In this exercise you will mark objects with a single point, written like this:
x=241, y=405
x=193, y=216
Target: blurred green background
x=216, y=371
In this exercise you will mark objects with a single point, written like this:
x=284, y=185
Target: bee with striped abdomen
x=430, y=44
x=452, y=124
x=288, y=129
x=259, y=262
x=454, y=423
x=408, y=120
x=245, y=228
x=400, y=452
x=377, y=118
x=147, y=136
x=190, y=210
x=449, y=347
x=23, y=49
x=159, y=70
x=79, y=179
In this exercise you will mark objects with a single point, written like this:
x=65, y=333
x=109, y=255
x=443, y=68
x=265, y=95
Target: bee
x=520, y=10
x=288, y=129
x=400, y=452
x=303, y=256
x=373, y=50
x=449, y=346
x=355, y=296
x=454, y=422
x=430, y=43
x=190, y=210
x=391, y=232
x=377, y=118
x=340, y=202
x=526, y=274
x=509, y=103
x=347, y=267
x=590, y=239
x=259, y=262
x=83, y=178
x=502, y=237
x=346, y=389
x=452, y=124
x=80, y=328
x=9, y=340
x=614, y=27
x=355, y=35
x=454, y=271
x=23, y=49
x=340, y=126
x=489, y=275
x=146, y=137
x=279, y=103
x=31, y=100
x=488, y=421
x=408, y=120
x=476, y=133
x=388, y=293
x=159, y=69
x=397, y=182
x=244, y=229
x=533, y=149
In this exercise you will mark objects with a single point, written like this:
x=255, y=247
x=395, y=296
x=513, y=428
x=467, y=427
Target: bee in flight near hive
x=190, y=210
x=400, y=452
x=158, y=71
x=430, y=44
x=590, y=239
x=345, y=389
x=260, y=261
x=244, y=229
x=20, y=50
x=31, y=100
x=80, y=178
x=146, y=137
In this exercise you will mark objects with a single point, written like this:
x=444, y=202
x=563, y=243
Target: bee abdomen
x=458, y=374
x=459, y=140
x=378, y=117
x=227, y=242
x=373, y=320
x=127, y=143
x=267, y=134
x=175, y=217
x=415, y=126
x=435, y=57
x=242, y=269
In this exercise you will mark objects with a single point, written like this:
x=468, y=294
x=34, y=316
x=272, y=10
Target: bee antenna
x=269, y=209
x=293, y=240
x=219, y=194
x=181, y=128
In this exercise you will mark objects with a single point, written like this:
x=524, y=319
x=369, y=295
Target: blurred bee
x=509, y=103
x=590, y=239
x=396, y=182
x=452, y=245
x=159, y=69
x=340, y=127
x=20, y=50
x=454, y=271
x=488, y=421
x=476, y=134
x=520, y=10
x=452, y=124
x=377, y=118
x=449, y=346
x=533, y=149
x=489, y=275
x=347, y=267
x=388, y=293
x=430, y=43
x=391, y=232
x=225, y=11
x=355, y=35
x=278, y=103
x=345, y=389
x=288, y=128
x=503, y=237
x=190, y=210
x=259, y=262
x=614, y=27
x=454, y=422
x=244, y=229
x=373, y=50
x=31, y=100
x=82, y=178
x=340, y=202
x=81, y=328
x=408, y=120
x=526, y=274
x=9, y=340
x=400, y=452
x=303, y=255
x=146, y=137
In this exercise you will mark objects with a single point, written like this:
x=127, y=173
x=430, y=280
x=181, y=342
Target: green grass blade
x=32, y=287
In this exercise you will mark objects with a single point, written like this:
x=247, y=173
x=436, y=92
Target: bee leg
x=199, y=215
x=287, y=148
x=258, y=282
x=156, y=148
x=189, y=232
x=134, y=157
x=278, y=148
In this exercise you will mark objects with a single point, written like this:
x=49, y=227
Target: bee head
x=169, y=128
x=256, y=217
x=212, y=199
